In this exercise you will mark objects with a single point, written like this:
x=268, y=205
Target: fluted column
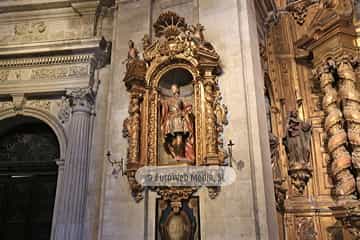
x=60, y=163
x=69, y=225
x=350, y=100
x=336, y=137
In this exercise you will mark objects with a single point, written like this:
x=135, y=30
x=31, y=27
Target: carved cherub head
x=146, y=41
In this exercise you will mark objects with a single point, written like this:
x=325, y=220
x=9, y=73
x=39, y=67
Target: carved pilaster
x=280, y=191
x=336, y=137
x=350, y=100
x=131, y=128
x=211, y=132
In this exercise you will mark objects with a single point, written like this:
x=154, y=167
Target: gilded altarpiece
x=311, y=53
x=176, y=117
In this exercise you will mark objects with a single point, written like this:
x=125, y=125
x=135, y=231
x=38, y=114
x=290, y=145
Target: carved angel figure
x=177, y=126
x=297, y=141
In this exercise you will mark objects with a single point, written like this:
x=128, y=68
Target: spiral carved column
x=337, y=139
x=350, y=100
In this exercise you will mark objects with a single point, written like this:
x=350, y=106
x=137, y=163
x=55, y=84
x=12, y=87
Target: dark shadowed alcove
x=28, y=177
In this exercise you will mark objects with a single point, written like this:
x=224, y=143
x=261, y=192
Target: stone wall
x=244, y=210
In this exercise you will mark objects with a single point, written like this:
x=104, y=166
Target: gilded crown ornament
x=169, y=24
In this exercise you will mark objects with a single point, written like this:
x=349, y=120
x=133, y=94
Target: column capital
x=81, y=99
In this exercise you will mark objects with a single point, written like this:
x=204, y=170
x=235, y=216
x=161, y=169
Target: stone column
x=60, y=163
x=70, y=219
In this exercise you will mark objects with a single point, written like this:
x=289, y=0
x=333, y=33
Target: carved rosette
x=350, y=100
x=336, y=136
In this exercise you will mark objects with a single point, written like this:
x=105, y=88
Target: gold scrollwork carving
x=131, y=128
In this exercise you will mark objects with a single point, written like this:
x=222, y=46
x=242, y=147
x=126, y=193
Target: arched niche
x=29, y=149
x=44, y=117
x=176, y=129
x=27, y=139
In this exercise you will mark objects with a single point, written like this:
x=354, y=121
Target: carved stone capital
x=81, y=99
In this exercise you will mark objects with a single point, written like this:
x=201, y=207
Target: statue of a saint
x=297, y=141
x=177, y=126
x=133, y=54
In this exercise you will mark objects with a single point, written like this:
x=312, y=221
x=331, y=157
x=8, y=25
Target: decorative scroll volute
x=175, y=114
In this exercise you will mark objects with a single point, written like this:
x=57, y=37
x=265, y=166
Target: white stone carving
x=51, y=30
x=44, y=73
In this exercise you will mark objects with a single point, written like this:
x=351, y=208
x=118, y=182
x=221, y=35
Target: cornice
x=43, y=61
x=11, y=6
x=73, y=46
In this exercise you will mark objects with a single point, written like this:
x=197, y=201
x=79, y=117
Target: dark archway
x=28, y=177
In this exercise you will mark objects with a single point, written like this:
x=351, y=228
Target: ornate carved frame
x=178, y=46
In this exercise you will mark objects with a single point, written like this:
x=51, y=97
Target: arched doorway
x=28, y=177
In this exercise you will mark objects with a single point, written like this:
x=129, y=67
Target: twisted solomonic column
x=350, y=100
x=336, y=138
